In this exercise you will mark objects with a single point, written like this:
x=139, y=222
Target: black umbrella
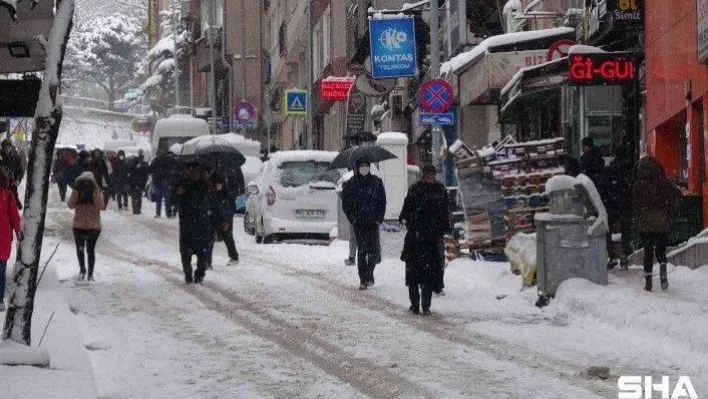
x=220, y=154
x=348, y=157
x=165, y=162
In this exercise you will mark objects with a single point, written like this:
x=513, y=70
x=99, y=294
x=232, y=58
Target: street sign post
x=393, y=48
x=436, y=96
x=295, y=102
x=244, y=115
x=437, y=119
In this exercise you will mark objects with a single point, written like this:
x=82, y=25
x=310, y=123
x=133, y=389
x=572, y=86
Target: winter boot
x=648, y=285
x=414, y=309
x=2, y=306
x=426, y=312
x=612, y=264
x=624, y=263
x=363, y=287
x=82, y=275
x=90, y=278
x=188, y=280
x=349, y=262
x=662, y=276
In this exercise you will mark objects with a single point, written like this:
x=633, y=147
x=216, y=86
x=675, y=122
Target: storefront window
x=606, y=132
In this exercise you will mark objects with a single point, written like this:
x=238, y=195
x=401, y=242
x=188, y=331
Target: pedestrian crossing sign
x=295, y=102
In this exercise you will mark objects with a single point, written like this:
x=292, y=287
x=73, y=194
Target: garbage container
x=569, y=242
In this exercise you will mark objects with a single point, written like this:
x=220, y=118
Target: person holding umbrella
x=364, y=203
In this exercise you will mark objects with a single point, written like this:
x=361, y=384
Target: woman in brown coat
x=87, y=201
x=656, y=202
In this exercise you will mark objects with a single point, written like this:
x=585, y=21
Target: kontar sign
x=335, y=89
x=601, y=69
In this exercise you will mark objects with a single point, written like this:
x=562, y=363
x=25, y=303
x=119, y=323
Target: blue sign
x=393, y=49
x=295, y=103
x=245, y=115
x=428, y=118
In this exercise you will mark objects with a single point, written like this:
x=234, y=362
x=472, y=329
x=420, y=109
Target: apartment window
x=282, y=40
x=217, y=7
x=326, y=36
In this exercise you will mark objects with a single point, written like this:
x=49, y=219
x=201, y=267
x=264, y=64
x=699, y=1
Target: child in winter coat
x=88, y=202
x=9, y=223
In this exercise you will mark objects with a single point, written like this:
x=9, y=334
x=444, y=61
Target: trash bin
x=570, y=241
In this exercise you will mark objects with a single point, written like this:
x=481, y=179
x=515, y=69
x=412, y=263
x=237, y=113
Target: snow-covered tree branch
x=18, y=322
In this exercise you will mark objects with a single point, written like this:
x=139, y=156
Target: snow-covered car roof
x=301, y=156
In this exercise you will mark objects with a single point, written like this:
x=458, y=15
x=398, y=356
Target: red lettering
x=577, y=69
x=593, y=67
x=529, y=61
x=607, y=70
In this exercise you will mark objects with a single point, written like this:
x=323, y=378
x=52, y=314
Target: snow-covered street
x=288, y=321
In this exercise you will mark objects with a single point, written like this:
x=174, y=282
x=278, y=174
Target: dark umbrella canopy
x=165, y=162
x=220, y=153
x=361, y=137
x=348, y=157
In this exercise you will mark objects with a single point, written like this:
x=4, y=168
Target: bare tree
x=48, y=117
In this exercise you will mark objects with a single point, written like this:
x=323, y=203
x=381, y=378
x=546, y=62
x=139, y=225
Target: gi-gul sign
x=393, y=48
x=602, y=69
x=336, y=89
x=702, y=21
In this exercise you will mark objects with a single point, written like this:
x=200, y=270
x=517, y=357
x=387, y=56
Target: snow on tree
x=106, y=50
x=48, y=116
x=161, y=55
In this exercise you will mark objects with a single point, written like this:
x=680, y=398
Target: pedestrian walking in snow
x=199, y=211
x=364, y=203
x=616, y=194
x=9, y=223
x=99, y=167
x=351, y=259
x=120, y=181
x=592, y=164
x=137, y=179
x=655, y=203
x=426, y=215
x=61, y=174
x=224, y=229
x=87, y=201
x=10, y=158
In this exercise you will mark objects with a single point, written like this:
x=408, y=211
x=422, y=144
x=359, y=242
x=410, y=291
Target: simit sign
x=602, y=69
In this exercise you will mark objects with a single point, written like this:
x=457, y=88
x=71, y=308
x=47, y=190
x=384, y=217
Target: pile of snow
x=91, y=130
x=252, y=168
x=245, y=146
x=279, y=157
x=584, y=49
x=521, y=251
x=511, y=6
x=601, y=225
x=561, y=183
x=463, y=59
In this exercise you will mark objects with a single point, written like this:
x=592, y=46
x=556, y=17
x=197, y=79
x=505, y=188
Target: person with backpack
x=87, y=201
x=9, y=223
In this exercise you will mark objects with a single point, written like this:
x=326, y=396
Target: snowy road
x=287, y=322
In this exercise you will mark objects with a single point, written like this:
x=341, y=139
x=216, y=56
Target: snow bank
x=601, y=225
x=392, y=138
x=15, y=354
x=463, y=59
x=252, y=168
x=512, y=5
x=584, y=49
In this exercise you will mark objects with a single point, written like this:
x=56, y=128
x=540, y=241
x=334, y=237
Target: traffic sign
x=295, y=102
x=244, y=114
x=436, y=95
x=393, y=49
x=430, y=118
x=559, y=49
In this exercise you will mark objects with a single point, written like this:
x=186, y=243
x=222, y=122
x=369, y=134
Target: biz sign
x=336, y=89
x=638, y=387
x=393, y=48
x=602, y=69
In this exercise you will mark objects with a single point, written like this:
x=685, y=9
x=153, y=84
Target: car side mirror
x=253, y=190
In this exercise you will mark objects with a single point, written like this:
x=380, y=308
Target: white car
x=252, y=208
x=294, y=197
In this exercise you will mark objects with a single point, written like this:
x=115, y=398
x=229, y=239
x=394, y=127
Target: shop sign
x=356, y=112
x=627, y=12
x=336, y=89
x=393, y=49
x=602, y=69
x=702, y=16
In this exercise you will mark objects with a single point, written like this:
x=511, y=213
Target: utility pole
x=212, y=74
x=308, y=78
x=243, y=49
x=175, y=18
x=436, y=131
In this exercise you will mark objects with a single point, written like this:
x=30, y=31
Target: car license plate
x=310, y=213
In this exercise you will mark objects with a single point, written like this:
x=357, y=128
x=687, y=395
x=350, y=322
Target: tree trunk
x=111, y=93
x=18, y=322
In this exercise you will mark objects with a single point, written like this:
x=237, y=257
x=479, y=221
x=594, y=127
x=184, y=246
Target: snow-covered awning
x=534, y=79
x=484, y=70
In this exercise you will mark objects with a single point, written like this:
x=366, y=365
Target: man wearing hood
x=592, y=164
x=364, y=204
x=120, y=181
x=426, y=214
x=137, y=179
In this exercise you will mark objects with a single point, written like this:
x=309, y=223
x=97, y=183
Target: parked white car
x=252, y=204
x=294, y=197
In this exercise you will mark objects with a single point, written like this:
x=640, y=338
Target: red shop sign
x=602, y=69
x=336, y=89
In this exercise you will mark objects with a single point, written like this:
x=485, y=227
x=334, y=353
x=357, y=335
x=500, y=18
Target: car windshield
x=296, y=174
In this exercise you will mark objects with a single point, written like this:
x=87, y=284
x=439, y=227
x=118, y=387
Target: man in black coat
x=426, y=214
x=364, y=204
x=592, y=164
x=137, y=178
x=225, y=229
x=120, y=180
x=617, y=196
x=61, y=174
x=199, y=213
x=10, y=158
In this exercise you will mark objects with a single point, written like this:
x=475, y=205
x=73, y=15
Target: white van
x=177, y=129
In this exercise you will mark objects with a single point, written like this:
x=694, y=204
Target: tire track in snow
x=435, y=326
x=362, y=374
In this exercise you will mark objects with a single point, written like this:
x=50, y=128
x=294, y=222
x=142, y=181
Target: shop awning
x=530, y=81
x=485, y=69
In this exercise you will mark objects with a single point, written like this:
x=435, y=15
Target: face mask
x=364, y=170
x=121, y=157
